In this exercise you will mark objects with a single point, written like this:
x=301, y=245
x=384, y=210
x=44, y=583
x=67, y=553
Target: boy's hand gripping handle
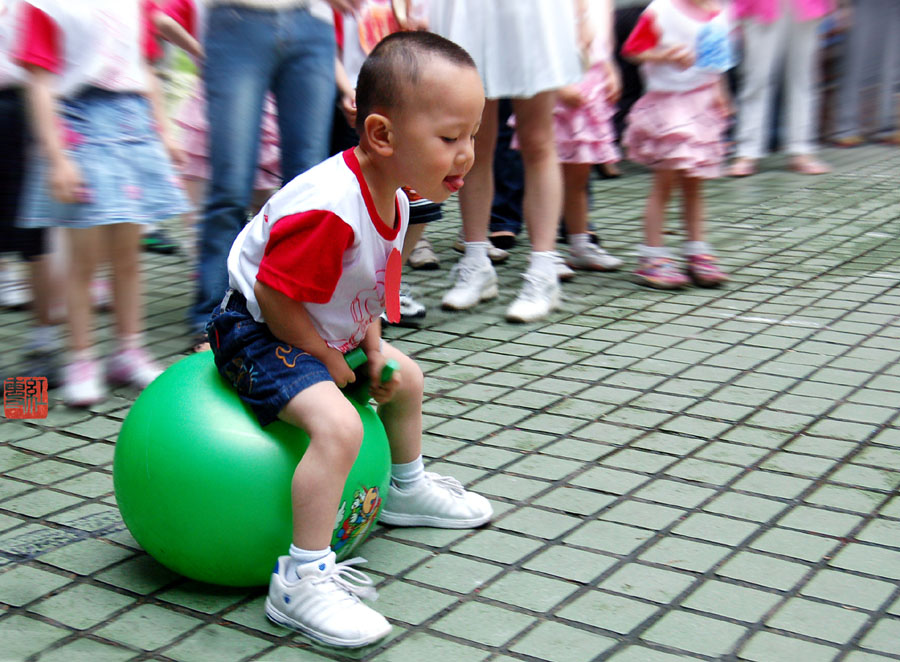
x=359, y=390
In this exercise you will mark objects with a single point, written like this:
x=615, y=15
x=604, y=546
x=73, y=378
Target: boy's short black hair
x=393, y=66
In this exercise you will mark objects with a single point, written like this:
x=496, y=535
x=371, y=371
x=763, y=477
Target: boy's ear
x=379, y=134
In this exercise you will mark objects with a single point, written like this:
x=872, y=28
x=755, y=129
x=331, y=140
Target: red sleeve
x=39, y=40
x=338, y=29
x=182, y=12
x=644, y=37
x=149, y=37
x=304, y=256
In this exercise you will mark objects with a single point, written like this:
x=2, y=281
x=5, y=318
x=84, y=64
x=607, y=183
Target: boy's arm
x=289, y=321
x=170, y=30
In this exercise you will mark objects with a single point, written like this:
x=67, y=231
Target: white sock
x=303, y=556
x=650, y=252
x=696, y=248
x=131, y=341
x=478, y=251
x=406, y=475
x=579, y=243
x=543, y=262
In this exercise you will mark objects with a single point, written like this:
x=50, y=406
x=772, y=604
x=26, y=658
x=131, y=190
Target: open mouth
x=453, y=182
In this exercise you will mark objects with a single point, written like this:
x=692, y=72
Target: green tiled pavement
x=697, y=475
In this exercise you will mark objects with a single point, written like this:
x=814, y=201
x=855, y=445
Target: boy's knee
x=341, y=435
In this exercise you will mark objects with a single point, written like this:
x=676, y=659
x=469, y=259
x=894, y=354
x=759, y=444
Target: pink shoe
x=661, y=273
x=83, y=384
x=132, y=367
x=704, y=271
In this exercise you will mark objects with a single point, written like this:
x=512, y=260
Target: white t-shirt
x=94, y=43
x=673, y=22
x=320, y=241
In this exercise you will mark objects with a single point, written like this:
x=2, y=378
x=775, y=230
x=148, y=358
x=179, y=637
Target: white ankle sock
x=696, y=248
x=302, y=556
x=477, y=250
x=131, y=341
x=406, y=475
x=579, y=243
x=650, y=252
x=543, y=262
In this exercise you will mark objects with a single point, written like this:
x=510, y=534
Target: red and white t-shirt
x=679, y=22
x=88, y=43
x=320, y=241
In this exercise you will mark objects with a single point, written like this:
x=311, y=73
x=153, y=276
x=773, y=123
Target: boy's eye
x=447, y=139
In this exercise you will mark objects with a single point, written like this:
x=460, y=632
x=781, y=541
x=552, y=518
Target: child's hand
x=348, y=108
x=66, y=183
x=177, y=155
x=679, y=55
x=338, y=369
x=571, y=96
x=381, y=391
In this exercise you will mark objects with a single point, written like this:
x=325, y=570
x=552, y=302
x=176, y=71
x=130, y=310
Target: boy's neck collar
x=379, y=195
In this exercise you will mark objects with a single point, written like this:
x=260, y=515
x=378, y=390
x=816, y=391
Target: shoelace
x=463, y=269
x=352, y=580
x=447, y=482
x=533, y=288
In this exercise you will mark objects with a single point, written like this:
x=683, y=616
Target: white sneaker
x=437, y=501
x=83, y=384
x=593, y=258
x=537, y=298
x=323, y=602
x=563, y=272
x=475, y=281
x=132, y=367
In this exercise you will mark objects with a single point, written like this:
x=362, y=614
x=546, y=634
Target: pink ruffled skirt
x=191, y=120
x=678, y=131
x=586, y=134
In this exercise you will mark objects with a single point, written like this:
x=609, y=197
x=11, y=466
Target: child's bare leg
x=84, y=250
x=335, y=435
x=123, y=240
x=655, y=215
x=575, y=199
x=692, y=203
x=657, y=269
x=416, y=498
x=402, y=416
x=702, y=266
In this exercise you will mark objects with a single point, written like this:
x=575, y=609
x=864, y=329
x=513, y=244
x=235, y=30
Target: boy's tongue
x=453, y=182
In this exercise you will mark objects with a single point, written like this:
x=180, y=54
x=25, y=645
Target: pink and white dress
x=678, y=123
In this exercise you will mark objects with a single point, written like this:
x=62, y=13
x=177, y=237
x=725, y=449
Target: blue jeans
x=249, y=51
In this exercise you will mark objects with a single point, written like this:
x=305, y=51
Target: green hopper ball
x=205, y=490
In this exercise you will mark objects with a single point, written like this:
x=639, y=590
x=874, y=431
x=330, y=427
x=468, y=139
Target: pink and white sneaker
x=132, y=367
x=704, y=271
x=83, y=383
x=661, y=273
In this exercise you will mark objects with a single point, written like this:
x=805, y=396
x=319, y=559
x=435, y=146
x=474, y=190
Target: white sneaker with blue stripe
x=323, y=601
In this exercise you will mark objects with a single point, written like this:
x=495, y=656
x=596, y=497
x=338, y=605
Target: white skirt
x=521, y=47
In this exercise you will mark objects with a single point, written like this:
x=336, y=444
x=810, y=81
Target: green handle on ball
x=359, y=390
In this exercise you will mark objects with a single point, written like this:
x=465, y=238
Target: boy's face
x=434, y=133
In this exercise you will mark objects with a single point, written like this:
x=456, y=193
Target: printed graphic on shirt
x=714, y=51
x=365, y=308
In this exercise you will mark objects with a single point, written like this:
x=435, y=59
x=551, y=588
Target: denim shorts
x=265, y=371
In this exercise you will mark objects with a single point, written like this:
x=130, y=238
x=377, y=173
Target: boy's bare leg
x=402, y=416
x=335, y=435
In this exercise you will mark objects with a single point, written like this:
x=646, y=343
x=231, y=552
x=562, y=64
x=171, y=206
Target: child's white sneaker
x=132, y=367
x=83, y=383
x=437, y=501
x=475, y=281
x=592, y=258
x=323, y=602
x=538, y=297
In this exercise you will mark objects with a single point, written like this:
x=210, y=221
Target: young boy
x=308, y=283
